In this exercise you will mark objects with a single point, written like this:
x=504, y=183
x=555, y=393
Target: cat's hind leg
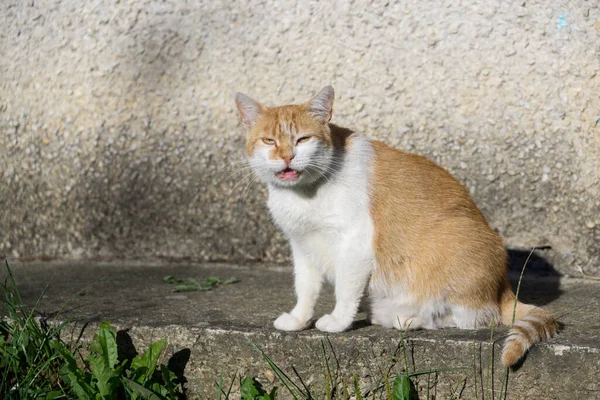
x=474, y=318
x=390, y=313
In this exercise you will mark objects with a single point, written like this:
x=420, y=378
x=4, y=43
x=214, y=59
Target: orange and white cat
x=360, y=214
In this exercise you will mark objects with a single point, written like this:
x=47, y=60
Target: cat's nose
x=288, y=159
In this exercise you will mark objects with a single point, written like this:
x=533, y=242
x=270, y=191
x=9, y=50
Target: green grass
x=29, y=364
x=397, y=381
x=35, y=363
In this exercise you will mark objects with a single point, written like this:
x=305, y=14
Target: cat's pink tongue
x=288, y=174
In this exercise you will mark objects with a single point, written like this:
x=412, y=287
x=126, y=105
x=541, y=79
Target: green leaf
x=103, y=358
x=169, y=379
x=182, y=287
x=357, y=393
x=231, y=281
x=105, y=345
x=251, y=389
x=146, y=393
x=78, y=381
x=212, y=281
x=192, y=285
x=54, y=395
x=75, y=378
x=402, y=389
x=187, y=285
x=143, y=367
x=66, y=355
x=107, y=379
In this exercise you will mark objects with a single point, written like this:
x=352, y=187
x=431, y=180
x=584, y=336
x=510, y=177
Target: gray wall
x=118, y=131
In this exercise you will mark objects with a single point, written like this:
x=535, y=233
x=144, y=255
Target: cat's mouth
x=288, y=174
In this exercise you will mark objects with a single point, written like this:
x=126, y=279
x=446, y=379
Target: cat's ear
x=249, y=109
x=321, y=106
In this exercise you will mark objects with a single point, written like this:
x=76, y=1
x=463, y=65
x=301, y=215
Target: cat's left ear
x=250, y=109
x=321, y=106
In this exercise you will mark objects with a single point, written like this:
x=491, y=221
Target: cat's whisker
x=317, y=170
x=235, y=186
x=247, y=186
x=328, y=162
x=244, y=169
x=308, y=172
x=328, y=168
x=323, y=175
x=236, y=163
x=328, y=159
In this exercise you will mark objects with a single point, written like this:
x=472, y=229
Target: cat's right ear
x=321, y=105
x=250, y=109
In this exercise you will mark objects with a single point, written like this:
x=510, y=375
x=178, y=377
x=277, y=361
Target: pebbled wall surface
x=119, y=136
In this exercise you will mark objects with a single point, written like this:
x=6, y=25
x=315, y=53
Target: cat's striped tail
x=531, y=325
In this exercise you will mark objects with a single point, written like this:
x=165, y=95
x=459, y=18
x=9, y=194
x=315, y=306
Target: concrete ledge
x=210, y=332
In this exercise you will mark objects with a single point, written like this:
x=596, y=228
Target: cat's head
x=289, y=146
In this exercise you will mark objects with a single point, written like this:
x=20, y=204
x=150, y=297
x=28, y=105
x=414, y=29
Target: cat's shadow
x=541, y=281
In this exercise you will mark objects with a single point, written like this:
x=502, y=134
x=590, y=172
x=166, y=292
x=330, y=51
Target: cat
x=360, y=214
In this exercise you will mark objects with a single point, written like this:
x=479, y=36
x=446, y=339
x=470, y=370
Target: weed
x=192, y=285
x=221, y=392
x=29, y=364
x=106, y=378
x=251, y=389
x=398, y=386
x=35, y=363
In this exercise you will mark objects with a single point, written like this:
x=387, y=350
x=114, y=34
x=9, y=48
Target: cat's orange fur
x=439, y=242
x=270, y=126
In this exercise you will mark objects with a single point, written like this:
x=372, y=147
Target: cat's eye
x=268, y=141
x=303, y=139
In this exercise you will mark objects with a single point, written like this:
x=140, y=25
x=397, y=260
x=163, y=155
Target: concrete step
x=210, y=332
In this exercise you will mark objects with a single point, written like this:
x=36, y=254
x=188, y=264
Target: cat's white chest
x=300, y=216
x=329, y=221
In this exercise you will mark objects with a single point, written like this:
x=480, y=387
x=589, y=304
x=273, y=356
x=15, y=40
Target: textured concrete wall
x=118, y=131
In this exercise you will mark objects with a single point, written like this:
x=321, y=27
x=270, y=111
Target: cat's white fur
x=331, y=234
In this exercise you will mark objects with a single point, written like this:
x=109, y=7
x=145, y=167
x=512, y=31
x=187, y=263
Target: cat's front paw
x=328, y=323
x=287, y=322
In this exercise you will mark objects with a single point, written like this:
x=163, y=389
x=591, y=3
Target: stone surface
x=210, y=332
x=119, y=138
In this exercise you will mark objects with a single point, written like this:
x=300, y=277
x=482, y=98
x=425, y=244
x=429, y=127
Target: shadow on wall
x=120, y=195
x=134, y=184
x=146, y=192
x=149, y=202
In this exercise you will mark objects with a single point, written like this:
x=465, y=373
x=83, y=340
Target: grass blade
x=294, y=389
